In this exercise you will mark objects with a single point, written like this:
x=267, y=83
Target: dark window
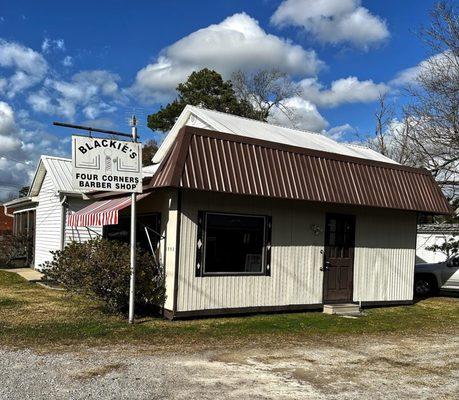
x=121, y=231
x=234, y=244
x=340, y=234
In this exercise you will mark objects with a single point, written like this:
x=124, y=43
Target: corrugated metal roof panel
x=215, y=161
x=250, y=128
x=451, y=229
x=60, y=170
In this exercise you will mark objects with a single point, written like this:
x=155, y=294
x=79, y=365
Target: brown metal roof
x=214, y=161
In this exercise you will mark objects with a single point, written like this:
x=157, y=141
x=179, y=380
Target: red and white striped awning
x=102, y=212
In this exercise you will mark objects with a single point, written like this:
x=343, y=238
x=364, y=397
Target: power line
x=12, y=159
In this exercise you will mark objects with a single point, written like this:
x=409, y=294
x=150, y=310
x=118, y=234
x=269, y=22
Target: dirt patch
x=422, y=366
x=231, y=358
x=98, y=372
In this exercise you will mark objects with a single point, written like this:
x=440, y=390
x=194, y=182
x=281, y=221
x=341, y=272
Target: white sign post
x=100, y=164
x=133, y=231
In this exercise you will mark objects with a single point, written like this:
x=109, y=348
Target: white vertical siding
x=79, y=234
x=384, y=255
x=48, y=230
x=295, y=273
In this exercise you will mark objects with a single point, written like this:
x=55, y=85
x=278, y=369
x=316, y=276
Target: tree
x=391, y=137
x=265, y=89
x=383, y=139
x=449, y=247
x=204, y=88
x=433, y=113
x=24, y=191
x=428, y=133
x=149, y=149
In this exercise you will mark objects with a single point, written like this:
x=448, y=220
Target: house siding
x=424, y=240
x=383, y=268
x=48, y=230
x=294, y=279
x=384, y=256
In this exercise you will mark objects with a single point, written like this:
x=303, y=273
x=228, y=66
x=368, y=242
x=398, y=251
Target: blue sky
x=96, y=62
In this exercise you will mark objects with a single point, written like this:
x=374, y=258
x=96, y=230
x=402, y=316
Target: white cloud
x=49, y=45
x=9, y=145
x=406, y=76
x=238, y=42
x=439, y=63
x=333, y=21
x=341, y=91
x=104, y=123
x=6, y=118
x=95, y=92
x=337, y=132
x=20, y=149
x=302, y=115
x=67, y=61
x=28, y=67
x=14, y=176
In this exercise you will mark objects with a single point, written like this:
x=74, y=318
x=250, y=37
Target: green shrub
x=100, y=268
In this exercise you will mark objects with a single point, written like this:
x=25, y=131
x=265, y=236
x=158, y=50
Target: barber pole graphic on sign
x=106, y=164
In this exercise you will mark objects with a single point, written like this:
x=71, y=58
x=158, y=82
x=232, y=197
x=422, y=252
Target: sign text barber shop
x=106, y=164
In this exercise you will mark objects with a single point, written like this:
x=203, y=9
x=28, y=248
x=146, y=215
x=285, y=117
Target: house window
x=233, y=244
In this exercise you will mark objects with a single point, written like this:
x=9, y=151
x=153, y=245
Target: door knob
x=326, y=266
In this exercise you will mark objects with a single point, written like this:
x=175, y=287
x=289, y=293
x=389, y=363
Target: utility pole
x=133, y=235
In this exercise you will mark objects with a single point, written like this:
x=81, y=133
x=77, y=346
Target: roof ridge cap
x=361, y=146
x=56, y=158
x=265, y=122
x=295, y=148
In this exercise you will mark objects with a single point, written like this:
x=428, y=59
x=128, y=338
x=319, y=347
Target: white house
x=434, y=234
x=50, y=198
x=257, y=217
x=44, y=211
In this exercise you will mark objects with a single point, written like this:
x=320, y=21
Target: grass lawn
x=33, y=316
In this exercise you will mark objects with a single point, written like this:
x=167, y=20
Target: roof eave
x=170, y=171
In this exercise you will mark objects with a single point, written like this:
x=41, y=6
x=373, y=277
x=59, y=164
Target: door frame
x=354, y=218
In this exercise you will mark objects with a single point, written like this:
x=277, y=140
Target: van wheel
x=424, y=286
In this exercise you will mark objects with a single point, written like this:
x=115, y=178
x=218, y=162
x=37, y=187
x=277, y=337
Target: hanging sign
x=106, y=164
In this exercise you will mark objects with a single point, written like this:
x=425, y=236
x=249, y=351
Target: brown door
x=339, y=258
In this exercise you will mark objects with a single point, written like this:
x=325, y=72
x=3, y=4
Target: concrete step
x=342, y=309
x=32, y=275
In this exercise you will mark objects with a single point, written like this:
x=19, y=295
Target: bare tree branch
x=433, y=113
x=265, y=90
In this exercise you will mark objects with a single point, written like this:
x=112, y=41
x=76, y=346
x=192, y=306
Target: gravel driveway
x=365, y=367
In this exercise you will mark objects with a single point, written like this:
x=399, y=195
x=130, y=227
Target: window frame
x=200, y=265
